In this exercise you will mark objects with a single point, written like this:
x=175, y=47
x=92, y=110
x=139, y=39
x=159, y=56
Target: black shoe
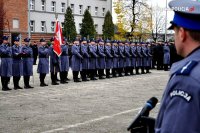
x=54, y=83
x=93, y=79
x=6, y=89
x=85, y=80
x=101, y=78
x=63, y=82
x=43, y=85
x=28, y=87
x=108, y=77
x=77, y=80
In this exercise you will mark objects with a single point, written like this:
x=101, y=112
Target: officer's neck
x=189, y=48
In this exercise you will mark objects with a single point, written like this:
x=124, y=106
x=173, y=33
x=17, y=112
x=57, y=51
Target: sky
x=154, y=3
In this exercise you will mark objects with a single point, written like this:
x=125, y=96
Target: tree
x=108, y=26
x=158, y=21
x=133, y=8
x=121, y=22
x=87, y=28
x=69, y=30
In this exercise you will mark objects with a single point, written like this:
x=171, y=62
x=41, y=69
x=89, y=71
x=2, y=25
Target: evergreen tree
x=108, y=26
x=87, y=29
x=69, y=30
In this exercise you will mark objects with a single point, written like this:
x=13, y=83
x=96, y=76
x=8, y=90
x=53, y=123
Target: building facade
x=43, y=15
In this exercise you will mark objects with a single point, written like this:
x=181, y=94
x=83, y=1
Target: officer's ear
x=181, y=33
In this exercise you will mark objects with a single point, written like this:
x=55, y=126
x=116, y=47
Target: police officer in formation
x=76, y=60
x=17, y=65
x=54, y=63
x=64, y=59
x=27, y=63
x=85, y=60
x=93, y=61
x=43, y=65
x=115, y=53
x=6, y=63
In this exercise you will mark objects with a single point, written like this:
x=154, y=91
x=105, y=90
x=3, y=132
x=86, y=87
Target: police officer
x=35, y=52
x=54, y=63
x=121, y=58
x=27, y=63
x=180, y=107
x=101, y=59
x=115, y=54
x=134, y=56
x=85, y=61
x=17, y=66
x=149, y=58
x=43, y=65
x=76, y=61
x=145, y=57
x=6, y=63
x=64, y=59
x=127, y=59
x=166, y=58
x=93, y=59
x=139, y=63
x=109, y=58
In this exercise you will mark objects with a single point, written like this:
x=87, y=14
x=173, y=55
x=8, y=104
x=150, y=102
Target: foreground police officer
x=43, y=65
x=180, y=108
x=6, y=63
x=17, y=66
x=27, y=63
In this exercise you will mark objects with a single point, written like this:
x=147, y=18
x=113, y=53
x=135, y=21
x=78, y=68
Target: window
x=62, y=7
x=15, y=23
x=32, y=4
x=103, y=12
x=89, y=8
x=43, y=5
x=52, y=26
x=43, y=26
x=96, y=11
x=53, y=6
x=80, y=9
x=72, y=7
x=80, y=26
x=96, y=27
x=32, y=26
x=62, y=25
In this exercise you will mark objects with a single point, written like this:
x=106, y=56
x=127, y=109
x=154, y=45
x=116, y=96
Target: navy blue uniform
x=133, y=58
x=115, y=51
x=17, y=66
x=179, y=112
x=54, y=65
x=121, y=60
x=76, y=61
x=6, y=65
x=27, y=65
x=166, y=58
x=101, y=60
x=43, y=65
x=85, y=61
x=64, y=59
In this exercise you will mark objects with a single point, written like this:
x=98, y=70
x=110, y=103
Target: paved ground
x=103, y=106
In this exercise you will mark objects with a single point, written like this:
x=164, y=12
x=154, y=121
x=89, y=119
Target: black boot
x=42, y=77
x=26, y=82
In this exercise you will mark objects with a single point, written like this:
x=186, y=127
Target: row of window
x=44, y=29
x=63, y=7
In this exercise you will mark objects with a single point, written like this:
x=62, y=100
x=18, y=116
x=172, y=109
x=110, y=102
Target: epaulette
x=187, y=68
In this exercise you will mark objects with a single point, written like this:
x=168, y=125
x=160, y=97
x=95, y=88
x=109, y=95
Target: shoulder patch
x=180, y=93
x=187, y=68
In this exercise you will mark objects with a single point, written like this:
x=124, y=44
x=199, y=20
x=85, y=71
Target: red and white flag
x=58, y=38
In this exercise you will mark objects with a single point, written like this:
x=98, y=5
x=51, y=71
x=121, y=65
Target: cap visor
x=172, y=26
